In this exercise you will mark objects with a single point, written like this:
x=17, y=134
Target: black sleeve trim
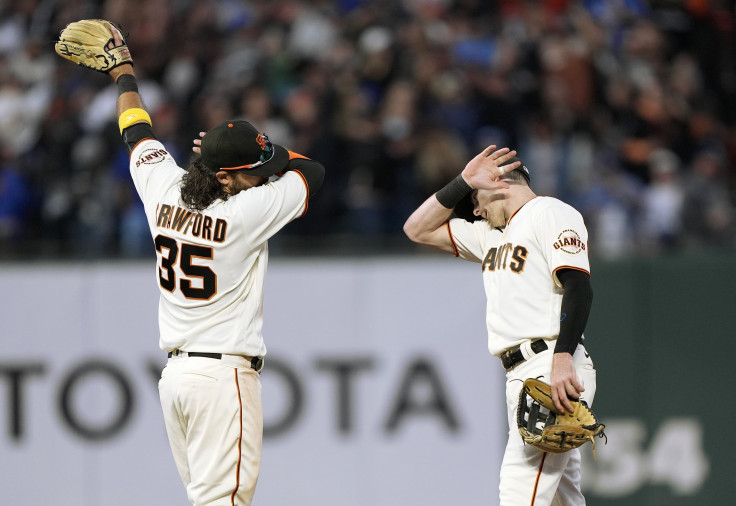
x=576, y=302
x=312, y=172
x=306, y=201
x=136, y=133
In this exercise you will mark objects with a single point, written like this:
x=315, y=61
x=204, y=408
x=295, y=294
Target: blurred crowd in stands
x=626, y=109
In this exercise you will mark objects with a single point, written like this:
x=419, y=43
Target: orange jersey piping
x=138, y=144
x=514, y=213
x=455, y=251
x=555, y=279
x=554, y=272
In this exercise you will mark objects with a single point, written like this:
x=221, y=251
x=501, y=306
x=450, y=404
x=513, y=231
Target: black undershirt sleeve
x=136, y=133
x=576, y=303
x=313, y=172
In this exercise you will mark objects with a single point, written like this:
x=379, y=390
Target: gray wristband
x=126, y=83
x=453, y=192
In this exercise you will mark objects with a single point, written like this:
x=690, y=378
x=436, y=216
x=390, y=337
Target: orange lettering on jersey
x=207, y=228
x=497, y=258
x=197, y=225
x=181, y=217
x=150, y=156
x=164, y=216
x=519, y=259
x=503, y=255
x=190, y=223
x=220, y=230
x=489, y=262
x=569, y=242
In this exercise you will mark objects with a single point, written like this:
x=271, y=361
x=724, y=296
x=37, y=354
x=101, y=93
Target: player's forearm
x=133, y=119
x=576, y=303
x=128, y=96
x=424, y=223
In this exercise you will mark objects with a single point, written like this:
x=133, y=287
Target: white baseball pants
x=530, y=477
x=214, y=421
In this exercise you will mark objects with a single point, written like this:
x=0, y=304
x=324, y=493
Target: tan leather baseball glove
x=540, y=425
x=88, y=43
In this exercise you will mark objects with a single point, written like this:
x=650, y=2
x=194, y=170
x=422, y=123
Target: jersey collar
x=508, y=222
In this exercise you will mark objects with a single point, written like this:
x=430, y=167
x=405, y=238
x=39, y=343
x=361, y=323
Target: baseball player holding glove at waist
x=210, y=226
x=534, y=262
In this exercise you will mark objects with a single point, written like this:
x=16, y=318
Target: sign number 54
x=674, y=458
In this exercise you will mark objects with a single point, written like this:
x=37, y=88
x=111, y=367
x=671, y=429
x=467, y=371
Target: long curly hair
x=200, y=187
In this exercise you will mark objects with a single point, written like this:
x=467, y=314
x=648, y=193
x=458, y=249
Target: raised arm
x=133, y=118
x=99, y=45
x=426, y=224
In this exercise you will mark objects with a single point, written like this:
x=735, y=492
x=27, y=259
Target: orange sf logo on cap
x=261, y=141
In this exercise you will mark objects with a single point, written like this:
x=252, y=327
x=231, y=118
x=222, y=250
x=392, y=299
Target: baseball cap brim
x=237, y=145
x=275, y=165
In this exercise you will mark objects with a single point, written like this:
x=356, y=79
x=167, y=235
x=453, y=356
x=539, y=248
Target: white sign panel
x=377, y=390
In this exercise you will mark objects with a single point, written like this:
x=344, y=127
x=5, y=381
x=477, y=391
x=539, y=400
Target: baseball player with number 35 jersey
x=533, y=256
x=210, y=225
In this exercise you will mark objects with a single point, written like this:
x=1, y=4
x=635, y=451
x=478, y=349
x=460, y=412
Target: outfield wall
x=378, y=389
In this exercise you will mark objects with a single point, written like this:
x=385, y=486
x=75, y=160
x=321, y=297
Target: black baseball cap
x=521, y=168
x=464, y=208
x=237, y=145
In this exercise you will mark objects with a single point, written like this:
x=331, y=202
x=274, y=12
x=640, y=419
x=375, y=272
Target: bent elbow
x=411, y=231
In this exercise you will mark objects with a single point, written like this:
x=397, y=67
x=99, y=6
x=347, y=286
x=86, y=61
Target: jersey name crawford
x=191, y=223
x=569, y=241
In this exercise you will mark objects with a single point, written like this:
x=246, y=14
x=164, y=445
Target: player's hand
x=564, y=382
x=483, y=173
x=117, y=38
x=197, y=148
x=117, y=41
x=96, y=44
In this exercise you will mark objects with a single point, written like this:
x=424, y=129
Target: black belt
x=512, y=358
x=256, y=363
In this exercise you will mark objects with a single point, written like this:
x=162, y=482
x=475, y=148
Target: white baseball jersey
x=519, y=267
x=211, y=264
